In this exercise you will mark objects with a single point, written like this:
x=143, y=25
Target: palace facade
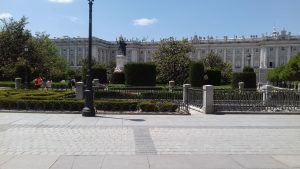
x=258, y=52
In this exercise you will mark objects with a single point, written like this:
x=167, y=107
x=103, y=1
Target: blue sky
x=155, y=19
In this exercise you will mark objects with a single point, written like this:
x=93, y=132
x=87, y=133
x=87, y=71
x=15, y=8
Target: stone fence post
x=267, y=89
x=79, y=90
x=241, y=86
x=208, y=99
x=18, y=83
x=185, y=93
x=298, y=87
x=171, y=85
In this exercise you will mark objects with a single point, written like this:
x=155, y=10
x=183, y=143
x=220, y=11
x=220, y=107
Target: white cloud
x=5, y=15
x=61, y=1
x=144, y=22
x=73, y=19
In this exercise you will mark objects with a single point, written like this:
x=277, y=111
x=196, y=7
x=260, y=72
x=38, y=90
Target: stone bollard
x=96, y=82
x=185, y=93
x=79, y=90
x=241, y=86
x=208, y=99
x=18, y=83
x=267, y=89
x=171, y=85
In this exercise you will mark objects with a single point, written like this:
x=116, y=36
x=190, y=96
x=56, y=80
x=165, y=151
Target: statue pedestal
x=262, y=75
x=120, y=62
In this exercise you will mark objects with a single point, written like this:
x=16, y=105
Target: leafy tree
x=288, y=72
x=13, y=38
x=172, y=61
x=41, y=57
x=213, y=62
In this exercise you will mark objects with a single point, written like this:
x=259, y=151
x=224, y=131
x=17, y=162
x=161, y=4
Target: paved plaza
x=70, y=141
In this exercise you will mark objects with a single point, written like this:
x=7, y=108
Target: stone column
x=185, y=93
x=243, y=58
x=208, y=99
x=224, y=59
x=263, y=57
x=171, y=85
x=79, y=90
x=267, y=89
x=289, y=53
x=241, y=86
x=276, y=57
x=252, y=58
x=233, y=60
x=18, y=83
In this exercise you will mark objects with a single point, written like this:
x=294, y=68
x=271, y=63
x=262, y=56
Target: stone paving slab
x=291, y=161
x=125, y=162
x=29, y=162
x=151, y=162
x=191, y=162
x=258, y=161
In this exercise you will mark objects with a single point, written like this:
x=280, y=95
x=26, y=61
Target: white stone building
x=259, y=52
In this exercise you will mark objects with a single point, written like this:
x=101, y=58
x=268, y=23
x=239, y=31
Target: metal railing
x=195, y=97
x=256, y=101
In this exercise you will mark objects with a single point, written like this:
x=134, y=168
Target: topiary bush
x=153, y=106
x=249, y=78
x=248, y=69
x=100, y=73
x=213, y=77
x=196, y=74
x=140, y=74
x=118, y=78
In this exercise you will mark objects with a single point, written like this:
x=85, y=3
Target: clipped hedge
x=100, y=73
x=7, y=84
x=196, y=74
x=118, y=78
x=248, y=69
x=115, y=95
x=249, y=78
x=213, y=77
x=152, y=106
x=45, y=105
x=161, y=95
x=117, y=105
x=140, y=74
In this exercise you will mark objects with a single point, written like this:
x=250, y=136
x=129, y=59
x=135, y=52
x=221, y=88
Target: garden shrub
x=153, y=106
x=248, y=69
x=213, y=77
x=148, y=106
x=249, y=78
x=177, y=95
x=100, y=73
x=167, y=106
x=118, y=78
x=196, y=74
x=116, y=105
x=115, y=95
x=140, y=74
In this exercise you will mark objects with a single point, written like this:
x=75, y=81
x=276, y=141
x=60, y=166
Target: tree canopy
x=288, y=72
x=18, y=47
x=213, y=62
x=172, y=61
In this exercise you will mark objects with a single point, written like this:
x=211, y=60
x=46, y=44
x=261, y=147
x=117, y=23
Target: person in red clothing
x=38, y=82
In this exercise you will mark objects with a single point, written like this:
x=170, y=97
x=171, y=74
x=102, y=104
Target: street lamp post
x=26, y=67
x=88, y=110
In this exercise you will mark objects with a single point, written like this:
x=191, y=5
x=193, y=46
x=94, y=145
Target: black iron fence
x=195, y=97
x=257, y=101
